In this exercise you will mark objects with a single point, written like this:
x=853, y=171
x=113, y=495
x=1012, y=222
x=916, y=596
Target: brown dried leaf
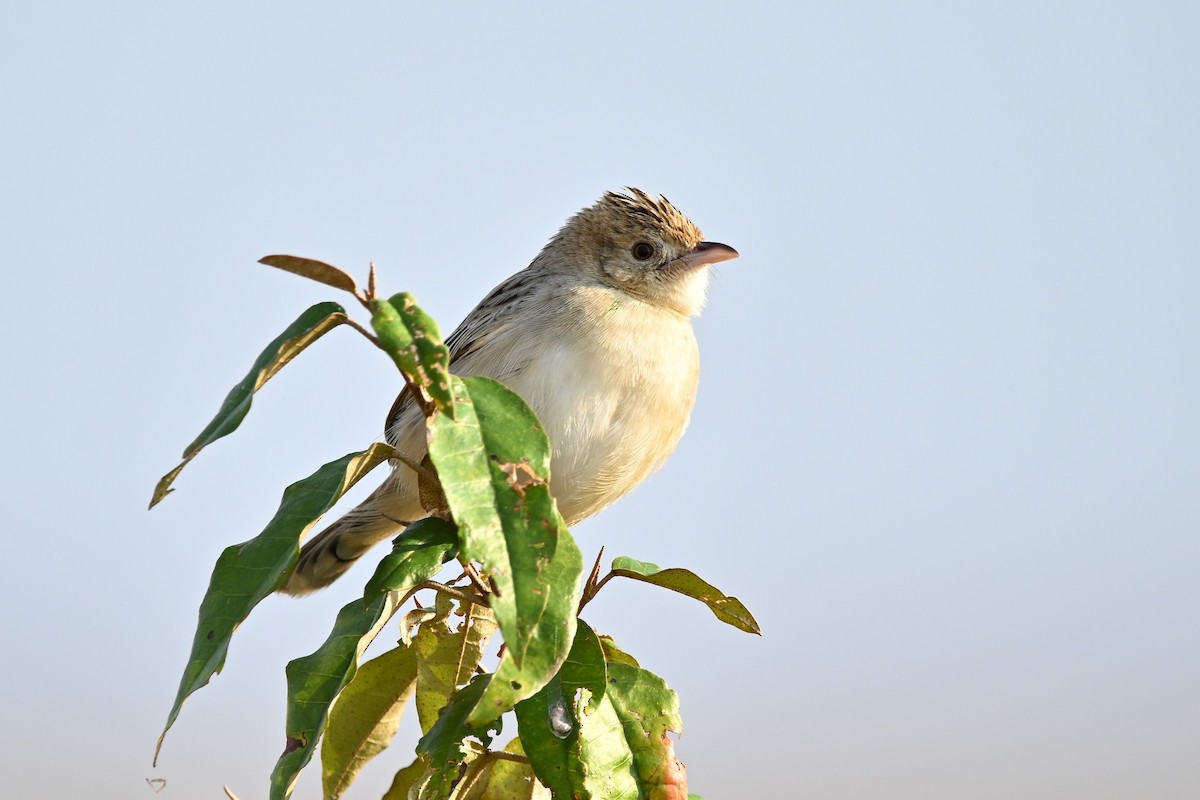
x=312, y=269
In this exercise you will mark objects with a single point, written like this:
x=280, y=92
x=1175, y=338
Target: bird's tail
x=334, y=550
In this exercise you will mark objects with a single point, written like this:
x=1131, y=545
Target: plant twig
x=415, y=466
x=374, y=339
x=504, y=755
x=459, y=594
x=472, y=572
x=592, y=585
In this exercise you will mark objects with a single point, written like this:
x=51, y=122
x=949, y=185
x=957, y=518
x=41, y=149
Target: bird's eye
x=642, y=251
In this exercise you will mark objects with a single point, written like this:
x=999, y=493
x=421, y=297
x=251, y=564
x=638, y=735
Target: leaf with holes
x=550, y=644
x=448, y=654
x=547, y=723
x=412, y=340
x=493, y=460
x=609, y=747
x=623, y=750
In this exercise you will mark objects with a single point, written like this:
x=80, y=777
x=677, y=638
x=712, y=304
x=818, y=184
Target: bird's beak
x=706, y=253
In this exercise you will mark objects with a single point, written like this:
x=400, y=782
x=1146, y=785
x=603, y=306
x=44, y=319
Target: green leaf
x=246, y=573
x=613, y=747
x=444, y=745
x=366, y=716
x=312, y=269
x=493, y=460
x=308, y=327
x=547, y=721
x=448, y=655
x=614, y=653
x=315, y=680
x=624, y=752
x=561, y=580
x=727, y=609
x=411, y=555
x=411, y=338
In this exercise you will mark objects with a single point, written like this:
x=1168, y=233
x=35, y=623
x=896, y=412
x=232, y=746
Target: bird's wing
x=492, y=313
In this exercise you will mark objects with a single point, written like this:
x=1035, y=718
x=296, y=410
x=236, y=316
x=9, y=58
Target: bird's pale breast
x=613, y=380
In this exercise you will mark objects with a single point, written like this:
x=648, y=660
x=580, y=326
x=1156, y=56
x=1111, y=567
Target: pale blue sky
x=947, y=444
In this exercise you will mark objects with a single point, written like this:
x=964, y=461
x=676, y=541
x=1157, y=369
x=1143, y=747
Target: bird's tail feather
x=334, y=550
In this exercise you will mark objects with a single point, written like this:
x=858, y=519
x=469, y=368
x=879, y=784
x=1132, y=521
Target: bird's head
x=641, y=245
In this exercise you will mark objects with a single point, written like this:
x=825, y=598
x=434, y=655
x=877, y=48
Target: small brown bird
x=596, y=336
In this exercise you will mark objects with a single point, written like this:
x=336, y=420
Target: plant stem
x=374, y=339
x=459, y=594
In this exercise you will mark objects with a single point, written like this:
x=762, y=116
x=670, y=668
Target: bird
x=596, y=336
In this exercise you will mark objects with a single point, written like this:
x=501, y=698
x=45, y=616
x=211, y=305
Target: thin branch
x=415, y=466
x=472, y=572
x=504, y=755
x=374, y=340
x=371, y=282
x=603, y=581
x=592, y=585
x=587, y=598
x=466, y=597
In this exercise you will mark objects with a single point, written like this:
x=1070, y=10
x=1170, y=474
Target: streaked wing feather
x=492, y=313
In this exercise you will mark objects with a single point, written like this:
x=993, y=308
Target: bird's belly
x=613, y=414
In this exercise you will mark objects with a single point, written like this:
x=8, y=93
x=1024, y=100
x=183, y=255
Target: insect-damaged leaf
x=493, y=460
x=308, y=327
x=411, y=338
x=613, y=747
x=550, y=642
x=646, y=709
x=547, y=722
x=246, y=573
x=727, y=609
x=448, y=653
x=312, y=269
